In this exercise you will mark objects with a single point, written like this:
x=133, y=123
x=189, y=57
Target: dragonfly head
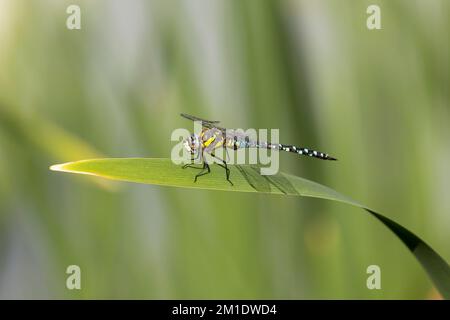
x=192, y=143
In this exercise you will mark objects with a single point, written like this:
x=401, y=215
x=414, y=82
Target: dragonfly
x=213, y=137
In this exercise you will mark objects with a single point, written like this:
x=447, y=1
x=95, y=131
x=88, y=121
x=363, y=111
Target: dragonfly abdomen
x=301, y=151
x=245, y=142
x=294, y=149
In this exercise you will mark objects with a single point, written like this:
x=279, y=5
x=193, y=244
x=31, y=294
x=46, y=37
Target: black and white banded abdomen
x=238, y=142
x=298, y=150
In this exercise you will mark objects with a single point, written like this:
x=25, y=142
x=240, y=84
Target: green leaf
x=247, y=179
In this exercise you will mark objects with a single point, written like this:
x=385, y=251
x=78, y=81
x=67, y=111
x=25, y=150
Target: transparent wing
x=194, y=118
x=205, y=123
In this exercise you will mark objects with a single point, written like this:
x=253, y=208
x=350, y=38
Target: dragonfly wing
x=205, y=123
x=194, y=118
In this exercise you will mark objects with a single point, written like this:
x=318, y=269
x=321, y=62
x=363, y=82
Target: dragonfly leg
x=225, y=166
x=190, y=165
x=228, y=156
x=203, y=172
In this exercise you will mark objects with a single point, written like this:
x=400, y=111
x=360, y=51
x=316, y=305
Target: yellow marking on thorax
x=209, y=141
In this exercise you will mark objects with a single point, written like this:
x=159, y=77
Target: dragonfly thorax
x=192, y=143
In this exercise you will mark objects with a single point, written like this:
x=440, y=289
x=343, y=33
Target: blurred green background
x=377, y=100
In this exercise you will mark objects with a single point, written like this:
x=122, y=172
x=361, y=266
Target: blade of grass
x=246, y=179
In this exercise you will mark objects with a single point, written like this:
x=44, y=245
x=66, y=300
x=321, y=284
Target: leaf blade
x=164, y=172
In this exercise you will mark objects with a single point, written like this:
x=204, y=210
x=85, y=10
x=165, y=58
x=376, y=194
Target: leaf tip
x=57, y=167
x=62, y=167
